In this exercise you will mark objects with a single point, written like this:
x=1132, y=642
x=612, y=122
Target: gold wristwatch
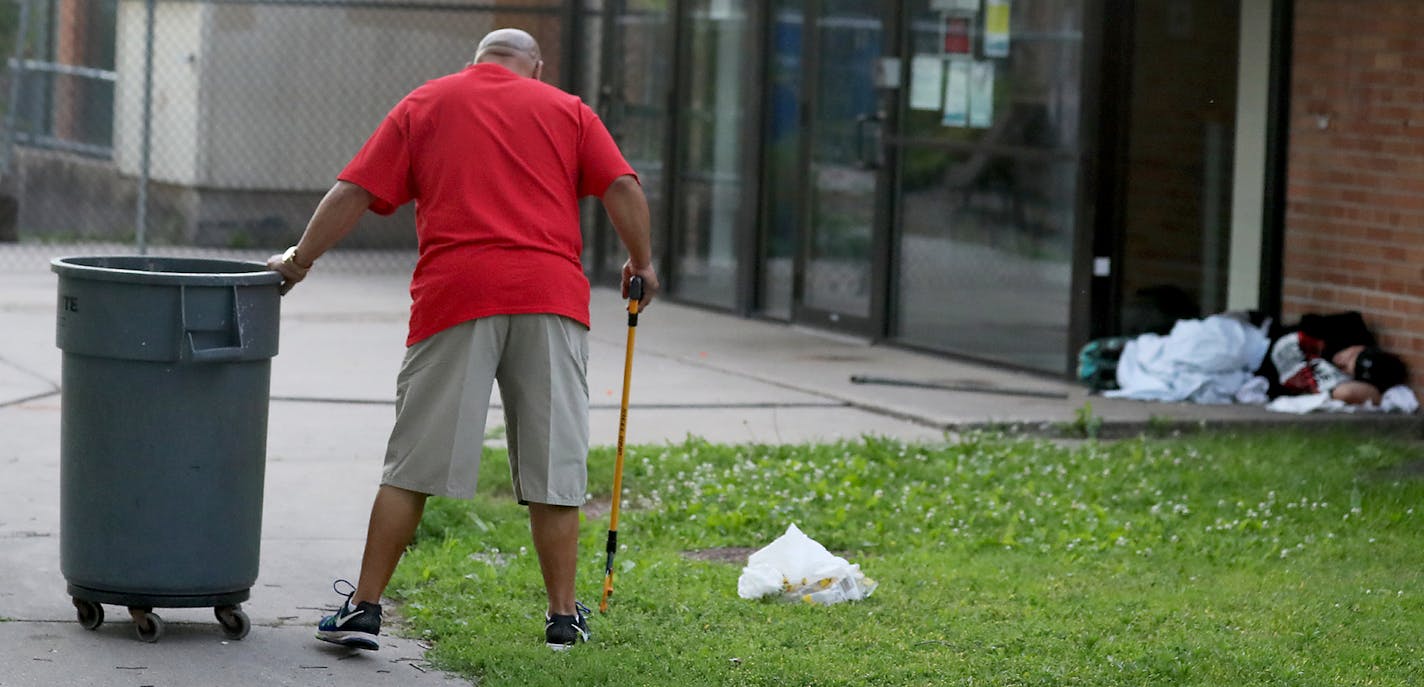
x=290, y=257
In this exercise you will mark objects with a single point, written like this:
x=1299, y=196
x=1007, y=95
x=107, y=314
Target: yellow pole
x=635, y=295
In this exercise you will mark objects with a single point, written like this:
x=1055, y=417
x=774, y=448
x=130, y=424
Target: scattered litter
x=130, y=667
x=313, y=667
x=799, y=568
x=46, y=660
x=494, y=558
x=417, y=667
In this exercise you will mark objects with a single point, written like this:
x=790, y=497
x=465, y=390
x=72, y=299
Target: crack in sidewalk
x=53, y=385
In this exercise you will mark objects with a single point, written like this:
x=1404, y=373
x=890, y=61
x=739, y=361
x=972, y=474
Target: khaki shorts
x=442, y=398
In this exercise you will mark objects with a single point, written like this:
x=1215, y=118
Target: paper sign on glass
x=981, y=94
x=956, y=36
x=956, y=94
x=996, y=28
x=926, y=82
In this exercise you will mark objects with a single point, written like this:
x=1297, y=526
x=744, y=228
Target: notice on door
x=981, y=94
x=956, y=94
x=926, y=82
x=996, y=28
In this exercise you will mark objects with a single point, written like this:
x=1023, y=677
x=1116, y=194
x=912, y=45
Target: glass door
x=840, y=208
x=1173, y=247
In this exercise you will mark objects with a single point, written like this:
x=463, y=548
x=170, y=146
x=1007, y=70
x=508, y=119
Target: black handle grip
x=635, y=289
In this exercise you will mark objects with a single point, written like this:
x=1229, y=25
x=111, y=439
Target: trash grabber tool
x=635, y=296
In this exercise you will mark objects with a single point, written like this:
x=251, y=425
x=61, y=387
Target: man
x=1355, y=374
x=1332, y=354
x=496, y=162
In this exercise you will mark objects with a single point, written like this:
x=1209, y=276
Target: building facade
x=1001, y=180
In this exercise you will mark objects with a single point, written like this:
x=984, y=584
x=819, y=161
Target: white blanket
x=1399, y=399
x=1201, y=361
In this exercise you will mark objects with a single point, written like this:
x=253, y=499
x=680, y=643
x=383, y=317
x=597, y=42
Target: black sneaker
x=563, y=631
x=356, y=626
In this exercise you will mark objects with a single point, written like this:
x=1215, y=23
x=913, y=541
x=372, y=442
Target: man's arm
x=1356, y=393
x=628, y=209
x=334, y=218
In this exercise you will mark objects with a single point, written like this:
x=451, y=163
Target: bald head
x=512, y=48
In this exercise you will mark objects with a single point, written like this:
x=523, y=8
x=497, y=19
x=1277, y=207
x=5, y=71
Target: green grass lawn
x=1253, y=559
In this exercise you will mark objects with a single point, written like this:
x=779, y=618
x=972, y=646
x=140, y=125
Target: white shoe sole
x=359, y=640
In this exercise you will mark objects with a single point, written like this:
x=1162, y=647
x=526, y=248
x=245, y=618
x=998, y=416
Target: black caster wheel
x=91, y=615
x=147, y=623
x=235, y=624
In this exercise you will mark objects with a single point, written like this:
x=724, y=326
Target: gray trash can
x=166, y=378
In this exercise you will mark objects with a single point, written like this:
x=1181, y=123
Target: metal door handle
x=875, y=157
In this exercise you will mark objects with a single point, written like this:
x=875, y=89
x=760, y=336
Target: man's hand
x=287, y=265
x=334, y=218
x=650, y=281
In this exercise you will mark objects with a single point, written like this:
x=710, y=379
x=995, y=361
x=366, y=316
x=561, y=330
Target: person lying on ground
x=1334, y=354
x=1356, y=374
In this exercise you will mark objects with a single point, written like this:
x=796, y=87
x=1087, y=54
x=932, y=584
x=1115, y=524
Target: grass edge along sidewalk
x=1254, y=558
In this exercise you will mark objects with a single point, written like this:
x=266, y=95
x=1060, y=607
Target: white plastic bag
x=798, y=568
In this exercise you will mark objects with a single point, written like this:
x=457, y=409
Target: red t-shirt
x=496, y=164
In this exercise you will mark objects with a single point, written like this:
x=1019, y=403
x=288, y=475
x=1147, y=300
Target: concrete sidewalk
x=723, y=378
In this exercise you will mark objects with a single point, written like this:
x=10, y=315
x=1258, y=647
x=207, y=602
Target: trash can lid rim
x=130, y=268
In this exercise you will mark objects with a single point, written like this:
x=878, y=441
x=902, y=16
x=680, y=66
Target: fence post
x=17, y=73
x=141, y=230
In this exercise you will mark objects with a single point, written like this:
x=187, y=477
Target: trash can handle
x=213, y=354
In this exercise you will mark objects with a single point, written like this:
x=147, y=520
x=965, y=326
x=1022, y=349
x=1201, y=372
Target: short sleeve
x=382, y=166
x=600, y=161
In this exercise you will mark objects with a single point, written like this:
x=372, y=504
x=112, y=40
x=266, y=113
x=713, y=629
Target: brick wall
x=1354, y=236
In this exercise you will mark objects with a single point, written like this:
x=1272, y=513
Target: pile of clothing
x=1324, y=362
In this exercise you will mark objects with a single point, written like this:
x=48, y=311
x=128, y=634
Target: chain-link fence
x=215, y=126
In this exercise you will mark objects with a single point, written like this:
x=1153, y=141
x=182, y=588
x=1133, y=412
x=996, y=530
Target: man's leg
x=555, y=531
x=542, y=379
x=442, y=396
x=394, y=516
